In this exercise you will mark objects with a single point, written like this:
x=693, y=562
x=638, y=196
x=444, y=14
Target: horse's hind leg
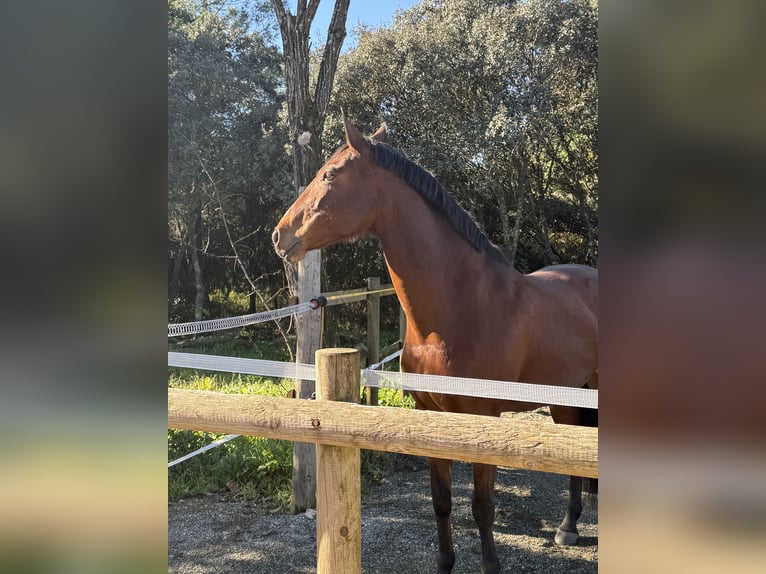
x=484, y=513
x=567, y=534
x=441, y=495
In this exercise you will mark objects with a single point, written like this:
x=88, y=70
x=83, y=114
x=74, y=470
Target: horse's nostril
x=275, y=236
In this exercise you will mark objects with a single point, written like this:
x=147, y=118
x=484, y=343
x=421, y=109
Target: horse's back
x=568, y=281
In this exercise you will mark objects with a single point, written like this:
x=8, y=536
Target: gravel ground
x=215, y=534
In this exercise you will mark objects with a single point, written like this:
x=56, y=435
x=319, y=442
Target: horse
x=469, y=312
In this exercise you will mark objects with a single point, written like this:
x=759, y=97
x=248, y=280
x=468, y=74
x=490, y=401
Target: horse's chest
x=428, y=356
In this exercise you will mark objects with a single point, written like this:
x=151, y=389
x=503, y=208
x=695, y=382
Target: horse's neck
x=432, y=267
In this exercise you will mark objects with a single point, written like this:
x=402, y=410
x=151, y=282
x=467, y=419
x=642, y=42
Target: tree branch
x=279, y=10
x=310, y=11
x=336, y=33
x=239, y=260
x=285, y=19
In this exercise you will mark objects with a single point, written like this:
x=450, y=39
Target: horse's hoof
x=445, y=563
x=565, y=538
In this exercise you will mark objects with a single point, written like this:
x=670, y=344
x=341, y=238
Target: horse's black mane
x=432, y=191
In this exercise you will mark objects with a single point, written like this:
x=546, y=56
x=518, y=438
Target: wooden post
x=339, y=497
x=402, y=326
x=308, y=330
x=373, y=335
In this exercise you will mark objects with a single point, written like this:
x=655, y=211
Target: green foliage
x=253, y=467
x=227, y=170
x=248, y=342
x=225, y=304
x=394, y=398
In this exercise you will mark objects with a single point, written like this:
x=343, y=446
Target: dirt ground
x=214, y=534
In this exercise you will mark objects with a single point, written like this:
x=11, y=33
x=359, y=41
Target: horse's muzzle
x=291, y=252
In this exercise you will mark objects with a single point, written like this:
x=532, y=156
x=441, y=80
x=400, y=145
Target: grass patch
x=251, y=467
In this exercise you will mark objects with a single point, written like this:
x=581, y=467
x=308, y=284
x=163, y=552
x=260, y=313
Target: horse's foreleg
x=441, y=495
x=484, y=513
x=567, y=534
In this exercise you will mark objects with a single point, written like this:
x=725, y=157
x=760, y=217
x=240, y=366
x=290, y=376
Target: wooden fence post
x=308, y=331
x=402, y=326
x=339, y=498
x=373, y=335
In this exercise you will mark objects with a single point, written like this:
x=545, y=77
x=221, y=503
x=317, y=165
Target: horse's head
x=338, y=205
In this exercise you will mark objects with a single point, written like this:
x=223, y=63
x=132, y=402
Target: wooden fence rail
x=502, y=441
x=352, y=295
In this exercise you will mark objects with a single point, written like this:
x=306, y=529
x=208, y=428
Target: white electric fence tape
x=482, y=388
x=219, y=442
x=197, y=327
x=378, y=365
x=243, y=366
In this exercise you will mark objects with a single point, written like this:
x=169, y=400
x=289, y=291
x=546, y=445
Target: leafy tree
x=499, y=99
x=226, y=165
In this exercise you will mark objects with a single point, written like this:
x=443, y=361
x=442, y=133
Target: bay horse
x=469, y=313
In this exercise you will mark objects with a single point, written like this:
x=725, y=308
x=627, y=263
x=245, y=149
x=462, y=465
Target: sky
x=371, y=12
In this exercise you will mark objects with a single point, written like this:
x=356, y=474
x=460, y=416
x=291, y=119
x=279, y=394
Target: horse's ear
x=354, y=138
x=382, y=134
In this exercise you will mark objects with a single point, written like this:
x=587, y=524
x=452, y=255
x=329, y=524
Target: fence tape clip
x=320, y=301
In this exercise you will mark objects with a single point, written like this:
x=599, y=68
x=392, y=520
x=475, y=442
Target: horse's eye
x=328, y=175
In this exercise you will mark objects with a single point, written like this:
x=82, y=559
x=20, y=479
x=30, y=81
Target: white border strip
x=482, y=388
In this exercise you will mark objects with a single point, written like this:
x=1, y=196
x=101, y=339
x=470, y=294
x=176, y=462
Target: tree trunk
x=199, y=284
x=502, y=208
x=306, y=115
x=522, y=185
x=175, y=276
x=516, y=233
x=543, y=183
